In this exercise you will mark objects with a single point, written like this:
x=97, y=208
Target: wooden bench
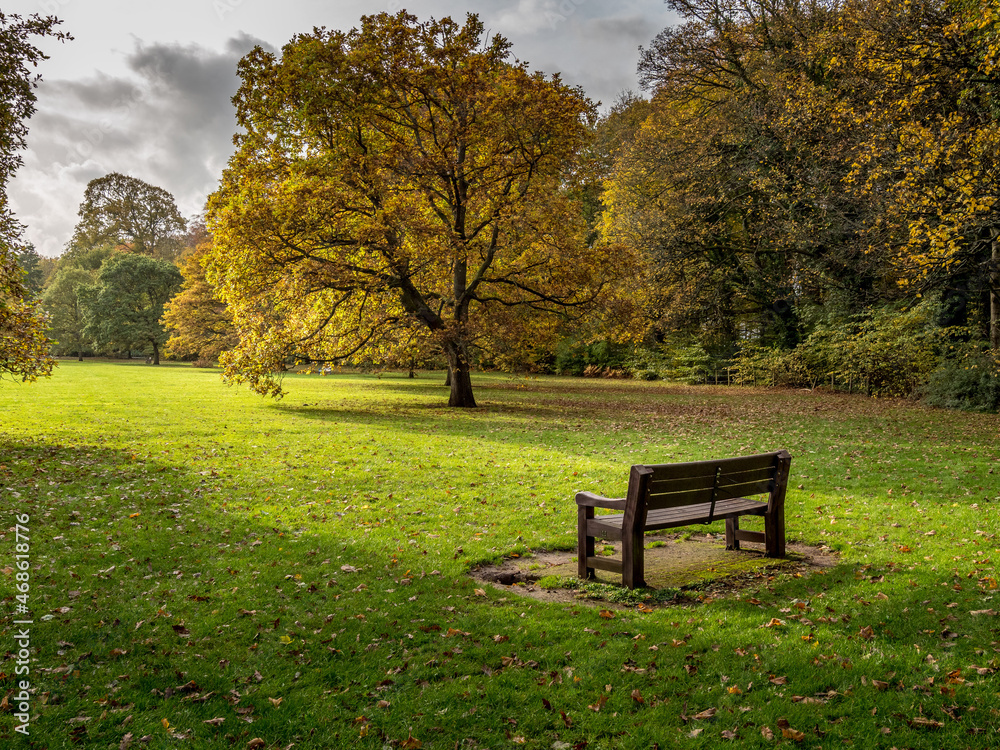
x=664, y=496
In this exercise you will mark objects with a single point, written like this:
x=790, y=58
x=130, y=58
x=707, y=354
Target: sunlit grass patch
x=303, y=563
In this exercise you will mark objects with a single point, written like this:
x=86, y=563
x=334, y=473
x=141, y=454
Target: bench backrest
x=672, y=485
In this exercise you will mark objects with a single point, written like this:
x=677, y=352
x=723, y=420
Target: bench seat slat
x=664, y=518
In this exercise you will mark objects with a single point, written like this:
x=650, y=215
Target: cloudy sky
x=145, y=87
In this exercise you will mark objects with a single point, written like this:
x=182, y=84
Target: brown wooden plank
x=750, y=536
x=665, y=518
x=696, y=497
x=732, y=529
x=605, y=563
x=694, y=482
x=590, y=500
x=584, y=542
x=607, y=531
x=740, y=463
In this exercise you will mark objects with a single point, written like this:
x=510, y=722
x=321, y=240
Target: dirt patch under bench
x=673, y=561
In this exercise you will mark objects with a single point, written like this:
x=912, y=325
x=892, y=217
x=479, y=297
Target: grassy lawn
x=208, y=568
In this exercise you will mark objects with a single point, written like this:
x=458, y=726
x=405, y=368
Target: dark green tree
x=125, y=304
x=64, y=306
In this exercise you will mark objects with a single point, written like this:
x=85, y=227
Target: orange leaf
x=792, y=734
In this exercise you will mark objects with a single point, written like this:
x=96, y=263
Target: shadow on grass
x=175, y=603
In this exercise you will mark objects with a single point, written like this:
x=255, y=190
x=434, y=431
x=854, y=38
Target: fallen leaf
x=255, y=743
x=708, y=713
x=730, y=734
x=637, y=696
x=276, y=701
x=792, y=734
x=411, y=743
x=214, y=722
x=600, y=703
x=920, y=721
x=607, y=614
x=766, y=733
x=479, y=592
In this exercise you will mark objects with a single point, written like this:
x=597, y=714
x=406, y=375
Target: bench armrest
x=590, y=500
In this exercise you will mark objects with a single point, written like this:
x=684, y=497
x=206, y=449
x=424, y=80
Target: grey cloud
x=170, y=122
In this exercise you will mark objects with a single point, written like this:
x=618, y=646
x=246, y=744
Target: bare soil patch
x=699, y=564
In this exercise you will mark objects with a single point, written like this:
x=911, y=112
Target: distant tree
x=67, y=316
x=87, y=258
x=34, y=275
x=200, y=325
x=24, y=350
x=125, y=304
x=399, y=174
x=124, y=210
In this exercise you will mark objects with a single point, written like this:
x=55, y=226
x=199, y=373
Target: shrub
x=594, y=359
x=968, y=379
x=892, y=353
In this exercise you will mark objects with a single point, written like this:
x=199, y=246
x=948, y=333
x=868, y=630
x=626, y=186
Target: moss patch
x=671, y=562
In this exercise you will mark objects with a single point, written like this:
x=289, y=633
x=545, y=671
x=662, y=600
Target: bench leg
x=584, y=543
x=774, y=534
x=732, y=526
x=633, y=560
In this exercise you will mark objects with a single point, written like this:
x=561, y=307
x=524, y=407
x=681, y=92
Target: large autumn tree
x=200, y=325
x=815, y=159
x=404, y=174
x=120, y=209
x=24, y=350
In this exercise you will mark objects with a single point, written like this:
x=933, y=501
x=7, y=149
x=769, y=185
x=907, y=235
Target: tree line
x=803, y=194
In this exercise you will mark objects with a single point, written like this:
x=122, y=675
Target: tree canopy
x=811, y=159
x=24, y=350
x=124, y=305
x=200, y=325
x=120, y=209
x=401, y=178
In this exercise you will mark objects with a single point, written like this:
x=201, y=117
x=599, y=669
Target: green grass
x=297, y=568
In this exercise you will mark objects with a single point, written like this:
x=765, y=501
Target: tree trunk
x=460, y=375
x=156, y=354
x=995, y=293
x=447, y=377
x=412, y=373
